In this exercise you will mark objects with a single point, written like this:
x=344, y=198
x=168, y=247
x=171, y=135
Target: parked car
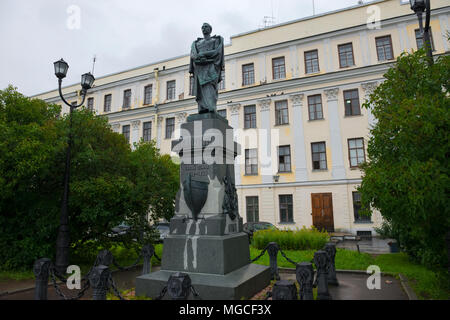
x=121, y=229
x=163, y=229
x=257, y=226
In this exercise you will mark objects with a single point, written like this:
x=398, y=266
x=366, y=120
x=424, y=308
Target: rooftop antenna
x=93, y=63
x=269, y=20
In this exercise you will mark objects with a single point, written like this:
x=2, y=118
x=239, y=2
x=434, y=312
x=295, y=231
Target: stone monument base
x=242, y=283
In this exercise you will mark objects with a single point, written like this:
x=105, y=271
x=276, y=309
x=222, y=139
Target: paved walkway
x=352, y=286
x=374, y=246
x=124, y=280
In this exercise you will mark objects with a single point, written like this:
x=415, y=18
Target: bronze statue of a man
x=207, y=63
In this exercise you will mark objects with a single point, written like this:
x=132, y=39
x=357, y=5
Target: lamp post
x=63, y=238
x=419, y=7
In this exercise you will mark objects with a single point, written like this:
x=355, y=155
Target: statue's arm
x=211, y=54
x=194, y=57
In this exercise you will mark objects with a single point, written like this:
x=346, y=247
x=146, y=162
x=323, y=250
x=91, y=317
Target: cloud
x=123, y=34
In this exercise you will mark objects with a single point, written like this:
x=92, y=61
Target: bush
x=304, y=239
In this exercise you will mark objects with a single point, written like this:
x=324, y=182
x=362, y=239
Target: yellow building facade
x=294, y=94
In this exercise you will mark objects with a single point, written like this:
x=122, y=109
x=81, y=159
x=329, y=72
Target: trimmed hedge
x=304, y=239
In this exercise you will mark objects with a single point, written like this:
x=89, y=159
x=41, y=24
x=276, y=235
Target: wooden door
x=322, y=211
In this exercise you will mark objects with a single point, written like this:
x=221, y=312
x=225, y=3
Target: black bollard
x=272, y=250
x=447, y=240
x=284, y=290
x=41, y=270
x=305, y=278
x=99, y=280
x=179, y=286
x=330, y=249
x=321, y=262
x=147, y=253
x=104, y=258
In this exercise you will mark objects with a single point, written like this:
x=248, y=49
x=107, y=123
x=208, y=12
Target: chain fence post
x=284, y=290
x=305, y=278
x=321, y=262
x=41, y=271
x=147, y=253
x=272, y=250
x=99, y=280
x=179, y=286
x=104, y=258
x=330, y=249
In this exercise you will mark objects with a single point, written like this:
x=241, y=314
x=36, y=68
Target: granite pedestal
x=206, y=239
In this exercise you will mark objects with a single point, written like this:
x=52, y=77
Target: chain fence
x=99, y=277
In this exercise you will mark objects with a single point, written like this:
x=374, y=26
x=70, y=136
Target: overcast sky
x=123, y=34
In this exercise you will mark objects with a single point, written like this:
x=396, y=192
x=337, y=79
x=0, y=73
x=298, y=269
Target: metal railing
x=99, y=277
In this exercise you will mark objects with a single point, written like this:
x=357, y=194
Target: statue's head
x=206, y=29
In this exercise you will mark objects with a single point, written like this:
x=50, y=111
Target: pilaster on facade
x=264, y=104
x=332, y=94
x=368, y=89
x=181, y=117
x=135, y=130
x=159, y=131
x=297, y=99
x=301, y=171
x=337, y=152
x=265, y=140
x=115, y=127
x=234, y=109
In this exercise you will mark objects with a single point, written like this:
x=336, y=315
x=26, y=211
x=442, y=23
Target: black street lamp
x=419, y=7
x=63, y=238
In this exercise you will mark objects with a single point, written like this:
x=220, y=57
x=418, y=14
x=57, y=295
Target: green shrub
x=303, y=239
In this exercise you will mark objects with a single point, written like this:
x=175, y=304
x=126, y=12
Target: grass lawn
x=426, y=283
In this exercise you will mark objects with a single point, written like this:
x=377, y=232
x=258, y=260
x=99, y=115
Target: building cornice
x=281, y=45
x=301, y=184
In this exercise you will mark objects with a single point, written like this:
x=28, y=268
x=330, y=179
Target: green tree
x=406, y=176
x=110, y=183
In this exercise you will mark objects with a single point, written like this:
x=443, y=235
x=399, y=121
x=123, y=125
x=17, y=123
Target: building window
x=250, y=117
x=346, y=55
x=252, y=209
x=352, y=106
x=312, y=61
x=420, y=40
x=251, y=162
x=357, y=208
x=170, y=127
x=286, y=209
x=90, y=104
x=148, y=90
x=126, y=132
x=315, y=107
x=281, y=112
x=356, y=152
x=107, y=104
x=222, y=81
x=147, y=131
x=191, y=85
x=222, y=113
x=319, y=156
x=279, y=68
x=171, y=90
x=248, y=74
x=384, y=48
x=284, y=159
x=126, y=99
